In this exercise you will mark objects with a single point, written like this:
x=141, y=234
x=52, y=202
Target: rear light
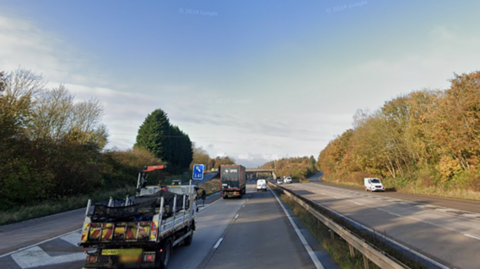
x=92, y=258
x=149, y=256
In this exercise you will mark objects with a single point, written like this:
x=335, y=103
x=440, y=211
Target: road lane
x=261, y=236
x=55, y=246
x=211, y=223
x=19, y=235
x=431, y=200
x=446, y=236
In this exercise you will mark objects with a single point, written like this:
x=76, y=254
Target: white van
x=262, y=184
x=373, y=184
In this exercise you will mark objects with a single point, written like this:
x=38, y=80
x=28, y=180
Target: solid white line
x=314, y=258
x=218, y=243
x=236, y=216
x=208, y=205
x=39, y=243
x=471, y=236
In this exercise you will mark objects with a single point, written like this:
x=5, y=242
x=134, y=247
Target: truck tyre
x=166, y=253
x=188, y=241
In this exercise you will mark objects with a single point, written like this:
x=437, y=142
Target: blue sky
x=255, y=80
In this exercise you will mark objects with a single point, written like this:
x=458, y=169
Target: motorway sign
x=198, y=171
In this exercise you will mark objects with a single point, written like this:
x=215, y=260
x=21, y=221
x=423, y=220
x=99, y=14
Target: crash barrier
x=355, y=233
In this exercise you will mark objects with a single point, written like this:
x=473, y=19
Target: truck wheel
x=166, y=253
x=188, y=241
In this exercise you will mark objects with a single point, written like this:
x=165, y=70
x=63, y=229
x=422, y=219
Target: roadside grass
x=212, y=186
x=46, y=208
x=22, y=213
x=334, y=245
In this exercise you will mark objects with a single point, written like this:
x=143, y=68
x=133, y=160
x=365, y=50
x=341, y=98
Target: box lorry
x=373, y=184
x=234, y=180
x=140, y=232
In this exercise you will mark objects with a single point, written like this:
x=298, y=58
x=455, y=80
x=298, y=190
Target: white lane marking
x=314, y=258
x=35, y=257
x=243, y=205
x=72, y=238
x=391, y=213
x=218, y=243
x=36, y=244
x=207, y=205
x=236, y=216
x=471, y=236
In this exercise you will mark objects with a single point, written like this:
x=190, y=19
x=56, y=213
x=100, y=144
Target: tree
x=165, y=141
x=152, y=134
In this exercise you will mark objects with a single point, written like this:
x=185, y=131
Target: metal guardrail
x=369, y=252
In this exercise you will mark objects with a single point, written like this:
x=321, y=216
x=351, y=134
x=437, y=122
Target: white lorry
x=140, y=232
x=373, y=184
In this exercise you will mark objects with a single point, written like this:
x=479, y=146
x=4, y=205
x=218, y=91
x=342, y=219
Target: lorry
x=373, y=184
x=234, y=181
x=139, y=232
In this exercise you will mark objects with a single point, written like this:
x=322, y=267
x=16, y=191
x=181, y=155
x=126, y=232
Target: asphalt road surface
x=450, y=236
x=253, y=232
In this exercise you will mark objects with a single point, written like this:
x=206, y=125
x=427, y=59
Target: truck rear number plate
x=122, y=251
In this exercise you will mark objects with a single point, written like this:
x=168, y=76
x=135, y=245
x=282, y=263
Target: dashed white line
x=236, y=216
x=243, y=205
x=471, y=236
x=218, y=243
x=391, y=213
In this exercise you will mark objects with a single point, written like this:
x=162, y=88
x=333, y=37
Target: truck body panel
x=233, y=179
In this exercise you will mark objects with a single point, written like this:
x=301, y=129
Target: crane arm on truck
x=143, y=175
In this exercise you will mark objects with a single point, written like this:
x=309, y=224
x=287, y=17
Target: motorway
x=450, y=236
x=253, y=232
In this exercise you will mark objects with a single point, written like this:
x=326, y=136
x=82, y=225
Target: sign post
x=198, y=171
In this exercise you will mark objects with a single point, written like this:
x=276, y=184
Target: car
x=287, y=180
x=262, y=184
x=279, y=180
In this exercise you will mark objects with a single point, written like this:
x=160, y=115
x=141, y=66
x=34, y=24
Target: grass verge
x=46, y=208
x=212, y=186
x=334, y=245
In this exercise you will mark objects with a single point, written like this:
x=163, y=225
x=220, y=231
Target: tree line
x=53, y=146
x=200, y=156
x=427, y=138
x=299, y=168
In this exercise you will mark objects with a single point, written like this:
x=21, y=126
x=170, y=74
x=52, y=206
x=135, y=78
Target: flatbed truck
x=140, y=232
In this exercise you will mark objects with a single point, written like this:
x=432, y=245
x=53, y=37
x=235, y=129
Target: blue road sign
x=198, y=171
